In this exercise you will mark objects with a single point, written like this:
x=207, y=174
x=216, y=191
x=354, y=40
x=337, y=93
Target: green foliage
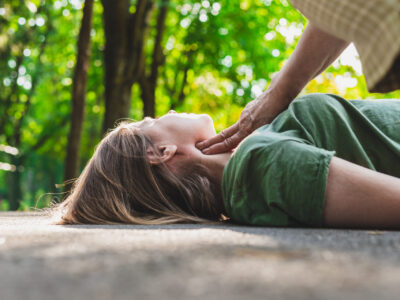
x=218, y=55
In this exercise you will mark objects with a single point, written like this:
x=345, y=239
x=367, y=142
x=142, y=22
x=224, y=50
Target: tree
x=125, y=58
x=79, y=95
x=19, y=102
x=33, y=74
x=148, y=78
x=208, y=56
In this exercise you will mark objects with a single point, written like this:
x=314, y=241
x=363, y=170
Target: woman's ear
x=167, y=152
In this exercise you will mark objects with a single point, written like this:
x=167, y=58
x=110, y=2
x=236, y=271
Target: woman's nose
x=172, y=112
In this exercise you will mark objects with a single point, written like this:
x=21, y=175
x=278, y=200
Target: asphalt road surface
x=41, y=261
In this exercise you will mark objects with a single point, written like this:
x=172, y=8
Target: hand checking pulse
x=314, y=52
x=256, y=113
x=250, y=119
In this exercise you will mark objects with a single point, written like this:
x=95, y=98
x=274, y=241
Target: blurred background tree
x=147, y=57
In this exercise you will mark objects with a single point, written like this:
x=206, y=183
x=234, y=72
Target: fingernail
x=199, y=145
x=205, y=151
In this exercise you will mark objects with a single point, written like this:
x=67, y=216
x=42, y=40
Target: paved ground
x=40, y=261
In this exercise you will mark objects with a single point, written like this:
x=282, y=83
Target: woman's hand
x=256, y=113
x=315, y=51
x=229, y=138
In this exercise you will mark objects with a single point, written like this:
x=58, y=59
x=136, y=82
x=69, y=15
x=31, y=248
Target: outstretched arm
x=315, y=51
x=359, y=197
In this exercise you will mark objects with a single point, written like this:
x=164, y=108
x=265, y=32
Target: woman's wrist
x=277, y=97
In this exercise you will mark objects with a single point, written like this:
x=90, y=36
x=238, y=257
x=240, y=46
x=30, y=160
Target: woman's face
x=178, y=128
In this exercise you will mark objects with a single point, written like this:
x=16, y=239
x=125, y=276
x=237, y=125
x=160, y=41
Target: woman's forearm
x=359, y=197
x=315, y=51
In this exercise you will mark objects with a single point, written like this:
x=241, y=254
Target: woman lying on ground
x=324, y=162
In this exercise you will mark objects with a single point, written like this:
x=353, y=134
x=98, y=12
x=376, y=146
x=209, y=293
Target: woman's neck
x=216, y=164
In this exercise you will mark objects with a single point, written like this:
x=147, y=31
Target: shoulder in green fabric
x=277, y=175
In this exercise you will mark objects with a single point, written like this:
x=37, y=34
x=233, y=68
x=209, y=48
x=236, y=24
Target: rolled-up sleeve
x=295, y=181
x=282, y=184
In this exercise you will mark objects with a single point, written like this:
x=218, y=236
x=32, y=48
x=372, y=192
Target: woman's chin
x=210, y=122
x=205, y=128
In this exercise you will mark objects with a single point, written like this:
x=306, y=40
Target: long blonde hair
x=120, y=185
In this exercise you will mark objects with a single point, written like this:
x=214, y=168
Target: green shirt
x=277, y=176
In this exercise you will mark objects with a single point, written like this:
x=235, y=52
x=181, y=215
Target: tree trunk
x=117, y=99
x=148, y=83
x=124, y=56
x=15, y=189
x=118, y=105
x=148, y=90
x=78, y=95
x=149, y=103
x=14, y=192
